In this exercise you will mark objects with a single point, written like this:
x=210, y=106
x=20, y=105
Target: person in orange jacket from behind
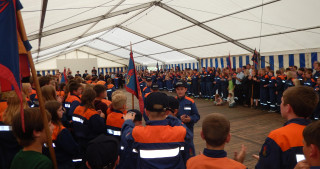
x=115, y=118
x=73, y=100
x=283, y=144
x=87, y=123
x=110, y=89
x=216, y=133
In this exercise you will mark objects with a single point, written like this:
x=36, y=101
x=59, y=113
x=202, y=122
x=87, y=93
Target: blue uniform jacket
x=158, y=144
x=71, y=106
x=9, y=146
x=282, y=145
x=217, y=79
x=288, y=84
x=280, y=84
x=65, y=149
x=316, y=75
x=195, y=78
x=309, y=82
x=272, y=82
x=187, y=106
x=210, y=76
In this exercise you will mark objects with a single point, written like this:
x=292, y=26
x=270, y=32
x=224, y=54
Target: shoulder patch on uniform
x=264, y=151
x=188, y=98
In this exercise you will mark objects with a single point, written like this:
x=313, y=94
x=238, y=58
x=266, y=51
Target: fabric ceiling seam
x=101, y=30
x=43, y=15
x=250, y=20
x=230, y=14
x=62, y=9
x=57, y=22
x=40, y=56
x=100, y=57
x=66, y=52
x=105, y=15
x=76, y=38
x=186, y=17
x=134, y=51
x=122, y=58
x=254, y=37
x=158, y=42
x=141, y=54
x=168, y=32
x=89, y=21
x=91, y=33
x=95, y=23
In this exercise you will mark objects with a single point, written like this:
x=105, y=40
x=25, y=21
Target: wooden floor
x=248, y=126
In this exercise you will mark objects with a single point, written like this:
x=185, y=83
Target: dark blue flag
x=13, y=49
x=132, y=82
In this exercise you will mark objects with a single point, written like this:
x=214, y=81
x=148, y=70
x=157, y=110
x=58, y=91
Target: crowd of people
x=91, y=126
x=247, y=86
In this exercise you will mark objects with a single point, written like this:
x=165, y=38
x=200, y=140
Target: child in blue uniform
x=159, y=145
x=188, y=112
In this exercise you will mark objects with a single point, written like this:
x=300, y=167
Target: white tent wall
x=299, y=58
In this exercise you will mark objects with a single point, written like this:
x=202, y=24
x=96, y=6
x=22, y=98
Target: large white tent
x=187, y=33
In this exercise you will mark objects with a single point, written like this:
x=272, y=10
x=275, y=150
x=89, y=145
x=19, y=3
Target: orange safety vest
x=60, y=93
x=109, y=86
x=101, y=82
x=86, y=114
x=205, y=162
x=57, y=129
x=107, y=102
x=115, y=119
x=72, y=98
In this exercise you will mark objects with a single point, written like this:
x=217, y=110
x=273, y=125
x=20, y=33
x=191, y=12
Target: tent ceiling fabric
x=171, y=31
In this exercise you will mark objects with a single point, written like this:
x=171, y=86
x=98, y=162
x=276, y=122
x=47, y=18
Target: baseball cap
x=102, y=151
x=157, y=102
x=154, y=86
x=180, y=83
x=149, y=79
x=173, y=103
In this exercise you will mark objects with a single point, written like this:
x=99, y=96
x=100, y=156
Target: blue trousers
x=279, y=96
x=209, y=90
x=263, y=97
x=195, y=90
x=116, y=83
x=189, y=89
x=169, y=85
x=203, y=90
x=272, y=99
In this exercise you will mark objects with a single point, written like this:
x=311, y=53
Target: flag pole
x=132, y=101
x=37, y=85
x=132, y=96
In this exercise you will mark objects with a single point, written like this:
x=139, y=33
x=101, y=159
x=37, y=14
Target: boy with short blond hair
x=115, y=118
